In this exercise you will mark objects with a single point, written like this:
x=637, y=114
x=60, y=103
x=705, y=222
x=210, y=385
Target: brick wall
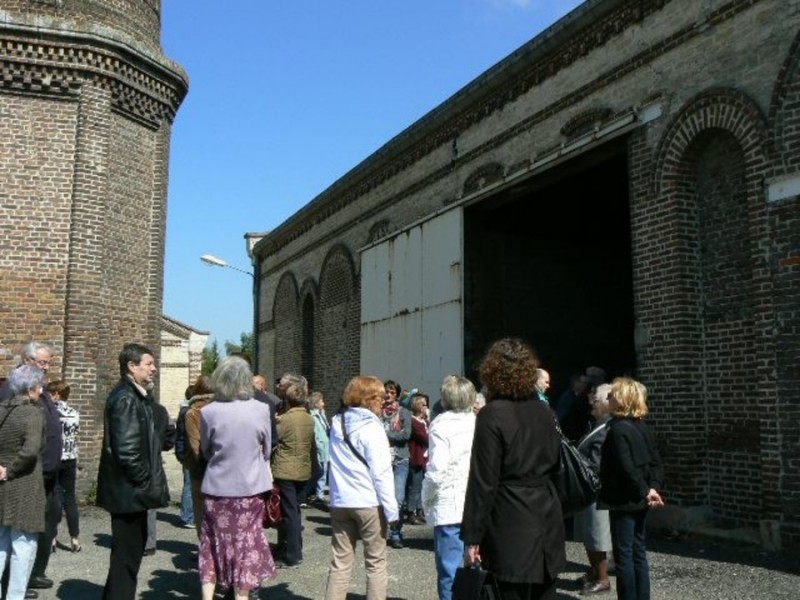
x=84, y=144
x=137, y=21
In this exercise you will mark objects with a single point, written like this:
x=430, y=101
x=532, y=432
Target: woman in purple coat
x=235, y=442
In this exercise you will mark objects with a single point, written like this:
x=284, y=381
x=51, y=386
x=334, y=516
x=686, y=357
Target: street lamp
x=215, y=261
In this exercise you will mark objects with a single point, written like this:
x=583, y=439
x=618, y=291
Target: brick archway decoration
x=785, y=97
x=716, y=108
x=286, y=316
x=338, y=264
x=338, y=323
x=309, y=301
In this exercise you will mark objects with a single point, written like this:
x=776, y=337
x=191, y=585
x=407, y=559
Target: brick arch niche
x=714, y=293
x=308, y=307
x=287, y=317
x=338, y=324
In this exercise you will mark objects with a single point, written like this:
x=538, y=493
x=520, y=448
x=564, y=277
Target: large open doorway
x=549, y=260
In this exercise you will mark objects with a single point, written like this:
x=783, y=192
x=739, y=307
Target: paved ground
x=681, y=570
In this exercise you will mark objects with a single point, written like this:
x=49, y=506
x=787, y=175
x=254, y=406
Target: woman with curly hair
x=512, y=514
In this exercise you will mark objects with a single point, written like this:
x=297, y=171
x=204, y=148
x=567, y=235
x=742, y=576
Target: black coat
x=131, y=476
x=512, y=509
x=630, y=466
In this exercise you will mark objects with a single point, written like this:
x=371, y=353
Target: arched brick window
x=338, y=325
x=286, y=316
x=704, y=307
x=308, y=308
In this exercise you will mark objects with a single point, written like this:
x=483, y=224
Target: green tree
x=210, y=358
x=246, y=346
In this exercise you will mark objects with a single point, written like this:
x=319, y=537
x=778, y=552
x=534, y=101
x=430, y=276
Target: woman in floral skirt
x=235, y=441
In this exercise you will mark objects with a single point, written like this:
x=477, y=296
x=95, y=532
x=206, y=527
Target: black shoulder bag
x=576, y=481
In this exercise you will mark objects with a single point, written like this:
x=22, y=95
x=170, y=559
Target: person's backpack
x=180, y=434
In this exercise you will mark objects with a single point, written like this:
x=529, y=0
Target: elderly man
x=131, y=477
x=542, y=384
x=39, y=355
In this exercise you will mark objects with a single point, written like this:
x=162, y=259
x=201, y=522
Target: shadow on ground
x=78, y=588
x=728, y=552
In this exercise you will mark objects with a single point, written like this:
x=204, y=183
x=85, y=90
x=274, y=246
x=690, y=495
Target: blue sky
x=287, y=96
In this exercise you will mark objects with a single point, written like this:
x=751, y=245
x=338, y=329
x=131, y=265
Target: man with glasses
x=39, y=355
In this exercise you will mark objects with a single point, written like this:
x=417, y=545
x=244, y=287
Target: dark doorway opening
x=549, y=260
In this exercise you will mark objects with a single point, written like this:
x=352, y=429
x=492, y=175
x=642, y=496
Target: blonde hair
x=458, y=394
x=314, y=398
x=418, y=402
x=630, y=398
x=364, y=391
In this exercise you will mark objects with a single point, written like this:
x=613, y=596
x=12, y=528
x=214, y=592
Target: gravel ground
x=680, y=569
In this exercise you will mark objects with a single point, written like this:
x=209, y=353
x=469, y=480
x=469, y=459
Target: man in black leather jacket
x=131, y=477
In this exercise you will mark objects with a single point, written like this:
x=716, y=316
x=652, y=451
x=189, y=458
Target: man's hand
x=472, y=555
x=3, y=473
x=654, y=499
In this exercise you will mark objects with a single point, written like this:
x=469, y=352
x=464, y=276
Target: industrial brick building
x=87, y=101
x=623, y=190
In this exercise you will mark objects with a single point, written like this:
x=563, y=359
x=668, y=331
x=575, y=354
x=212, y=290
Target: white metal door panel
x=412, y=329
x=441, y=269
x=405, y=262
x=375, y=278
x=441, y=337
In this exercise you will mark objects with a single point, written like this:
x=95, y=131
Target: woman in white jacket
x=361, y=489
x=445, y=483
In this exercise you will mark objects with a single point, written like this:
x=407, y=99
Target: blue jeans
x=320, y=491
x=187, y=511
x=448, y=552
x=630, y=554
x=23, y=553
x=414, y=500
x=400, y=469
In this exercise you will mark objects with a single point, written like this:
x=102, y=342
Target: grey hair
x=540, y=373
x=25, y=378
x=232, y=380
x=32, y=348
x=295, y=388
x=458, y=393
x=601, y=393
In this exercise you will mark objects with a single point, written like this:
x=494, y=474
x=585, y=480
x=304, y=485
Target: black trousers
x=128, y=533
x=527, y=591
x=66, y=481
x=290, y=536
x=52, y=515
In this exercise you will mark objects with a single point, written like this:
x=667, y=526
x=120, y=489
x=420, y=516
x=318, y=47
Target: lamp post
x=215, y=261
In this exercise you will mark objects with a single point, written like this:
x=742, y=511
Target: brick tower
x=87, y=100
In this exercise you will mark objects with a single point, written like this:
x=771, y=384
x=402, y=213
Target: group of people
x=38, y=464
x=478, y=468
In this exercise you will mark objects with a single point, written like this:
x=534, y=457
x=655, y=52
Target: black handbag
x=576, y=481
x=474, y=583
